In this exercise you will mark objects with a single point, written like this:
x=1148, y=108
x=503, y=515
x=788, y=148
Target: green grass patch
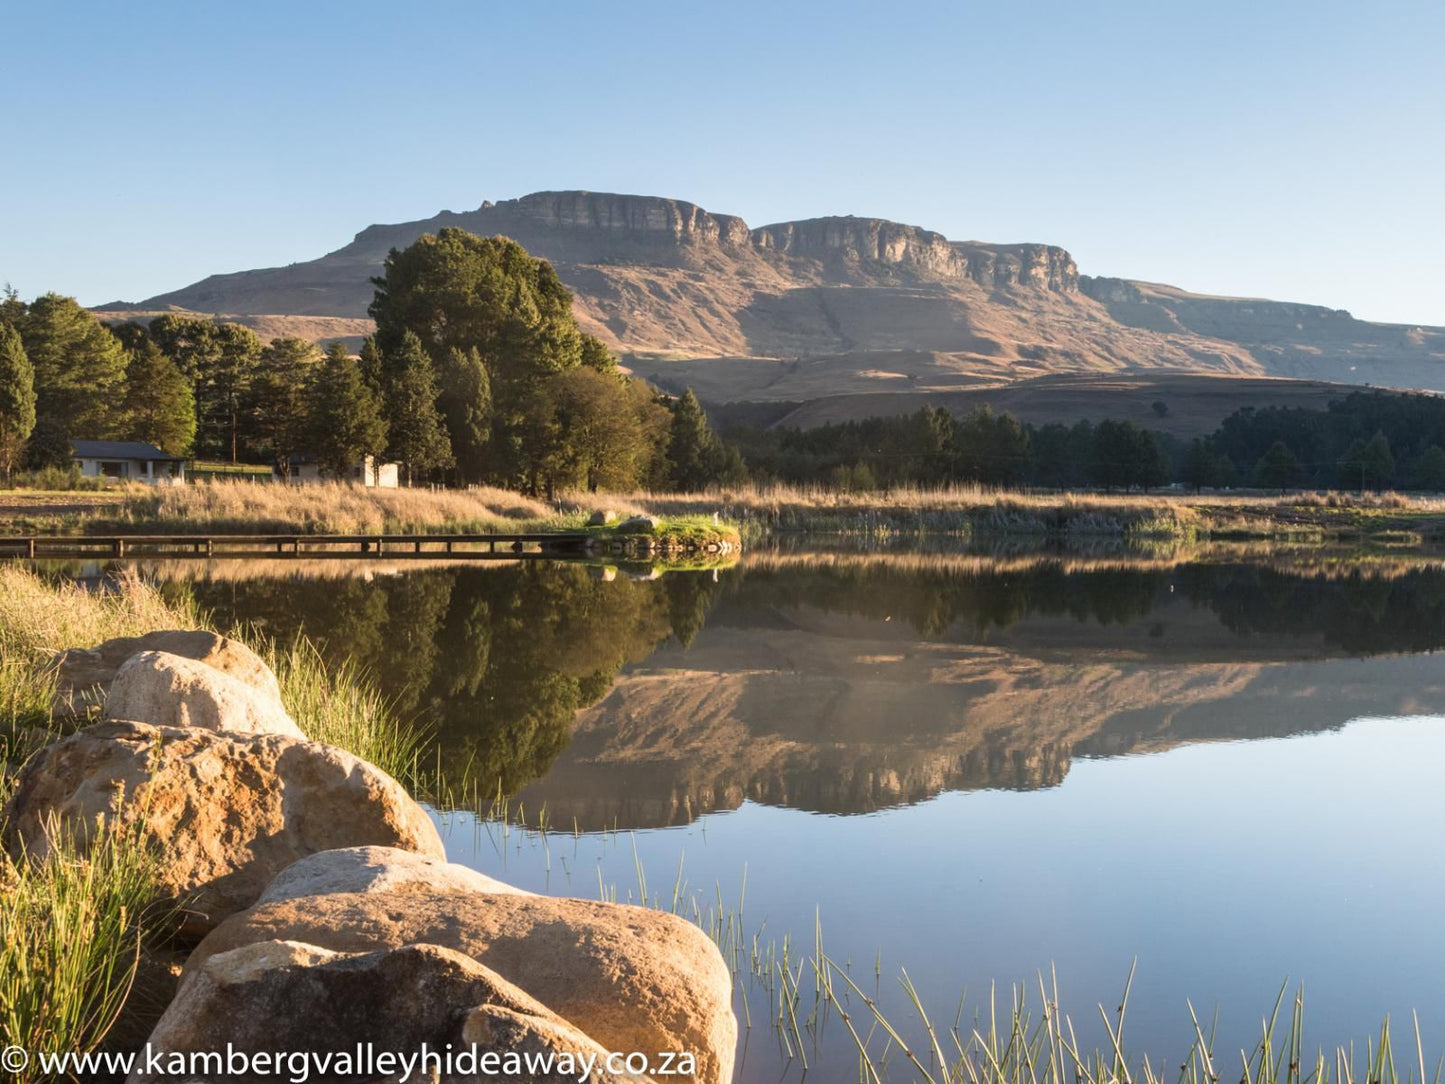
x=73, y=924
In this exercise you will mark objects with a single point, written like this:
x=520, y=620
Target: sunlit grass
x=73, y=924
x=332, y=703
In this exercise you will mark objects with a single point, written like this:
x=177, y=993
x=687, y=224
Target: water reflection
x=844, y=684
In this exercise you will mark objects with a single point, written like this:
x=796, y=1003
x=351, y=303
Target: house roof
x=118, y=449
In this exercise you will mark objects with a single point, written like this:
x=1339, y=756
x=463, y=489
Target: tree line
x=1362, y=441
x=477, y=374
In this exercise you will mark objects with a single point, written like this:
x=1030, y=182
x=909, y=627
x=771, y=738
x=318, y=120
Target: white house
x=127, y=460
x=367, y=472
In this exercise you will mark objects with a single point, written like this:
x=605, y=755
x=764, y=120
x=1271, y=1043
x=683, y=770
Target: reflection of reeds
x=1314, y=562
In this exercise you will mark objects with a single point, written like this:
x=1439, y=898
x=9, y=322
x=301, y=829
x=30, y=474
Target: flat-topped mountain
x=692, y=296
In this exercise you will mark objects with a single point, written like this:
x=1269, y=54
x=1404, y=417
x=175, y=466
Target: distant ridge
x=890, y=307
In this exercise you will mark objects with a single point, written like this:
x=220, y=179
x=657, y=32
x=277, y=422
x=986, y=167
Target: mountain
x=850, y=309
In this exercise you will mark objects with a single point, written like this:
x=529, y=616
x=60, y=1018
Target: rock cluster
x=327, y=915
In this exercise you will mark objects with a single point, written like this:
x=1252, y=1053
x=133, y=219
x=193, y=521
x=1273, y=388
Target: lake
x=972, y=767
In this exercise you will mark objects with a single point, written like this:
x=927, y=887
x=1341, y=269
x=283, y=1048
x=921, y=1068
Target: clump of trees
x=477, y=373
x=932, y=447
x=486, y=377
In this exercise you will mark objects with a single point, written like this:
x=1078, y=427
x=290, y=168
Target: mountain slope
x=664, y=281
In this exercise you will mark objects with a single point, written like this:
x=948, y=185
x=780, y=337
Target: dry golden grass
x=241, y=507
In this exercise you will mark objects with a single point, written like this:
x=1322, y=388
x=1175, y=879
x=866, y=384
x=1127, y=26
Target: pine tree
x=159, y=407
x=689, y=443
x=79, y=367
x=346, y=423
x=277, y=414
x=223, y=385
x=417, y=435
x=1278, y=468
x=17, y=399
x=466, y=401
x=1429, y=470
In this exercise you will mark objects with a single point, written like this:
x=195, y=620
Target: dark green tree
x=1379, y=461
x=1428, y=471
x=278, y=411
x=417, y=435
x=17, y=399
x=603, y=446
x=159, y=407
x=189, y=341
x=596, y=356
x=346, y=423
x=1201, y=466
x=1278, y=468
x=690, y=444
x=79, y=368
x=455, y=290
x=223, y=388
x=466, y=404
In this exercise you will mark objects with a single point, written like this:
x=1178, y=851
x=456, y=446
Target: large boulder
x=639, y=524
x=84, y=674
x=162, y=689
x=306, y=1002
x=376, y=869
x=630, y=977
x=227, y=811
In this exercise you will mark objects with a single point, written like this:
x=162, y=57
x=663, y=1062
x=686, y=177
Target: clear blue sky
x=1279, y=149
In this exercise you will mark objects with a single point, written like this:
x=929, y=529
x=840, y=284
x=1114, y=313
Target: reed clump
x=333, y=703
x=75, y=924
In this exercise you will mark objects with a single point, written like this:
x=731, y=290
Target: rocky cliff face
x=656, y=276
x=667, y=220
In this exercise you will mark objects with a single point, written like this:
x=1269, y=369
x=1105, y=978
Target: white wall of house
x=386, y=476
x=134, y=470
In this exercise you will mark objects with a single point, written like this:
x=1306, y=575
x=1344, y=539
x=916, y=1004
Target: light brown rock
x=228, y=811
x=376, y=869
x=632, y=978
x=85, y=674
x=162, y=689
x=298, y=998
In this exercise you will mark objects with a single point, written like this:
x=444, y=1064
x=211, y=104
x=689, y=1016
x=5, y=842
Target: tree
x=345, y=423
x=689, y=445
x=79, y=368
x=17, y=399
x=223, y=387
x=1379, y=462
x=596, y=356
x=1277, y=468
x=466, y=403
x=278, y=405
x=417, y=436
x=1201, y=466
x=602, y=436
x=455, y=290
x=159, y=407
x=1429, y=470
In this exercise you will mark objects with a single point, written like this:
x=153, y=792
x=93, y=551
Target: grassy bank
x=978, y=512
x=39, y=618
x=244, y=508
x=74, y=926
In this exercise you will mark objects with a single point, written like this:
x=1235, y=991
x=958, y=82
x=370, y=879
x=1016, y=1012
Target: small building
x=367, y=472
x=127, y=461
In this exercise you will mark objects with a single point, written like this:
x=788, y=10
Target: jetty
x=253, y=545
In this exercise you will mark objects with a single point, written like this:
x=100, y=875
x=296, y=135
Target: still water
x=973, y=768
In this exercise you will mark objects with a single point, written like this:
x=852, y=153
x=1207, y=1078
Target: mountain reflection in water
x=848, y=684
